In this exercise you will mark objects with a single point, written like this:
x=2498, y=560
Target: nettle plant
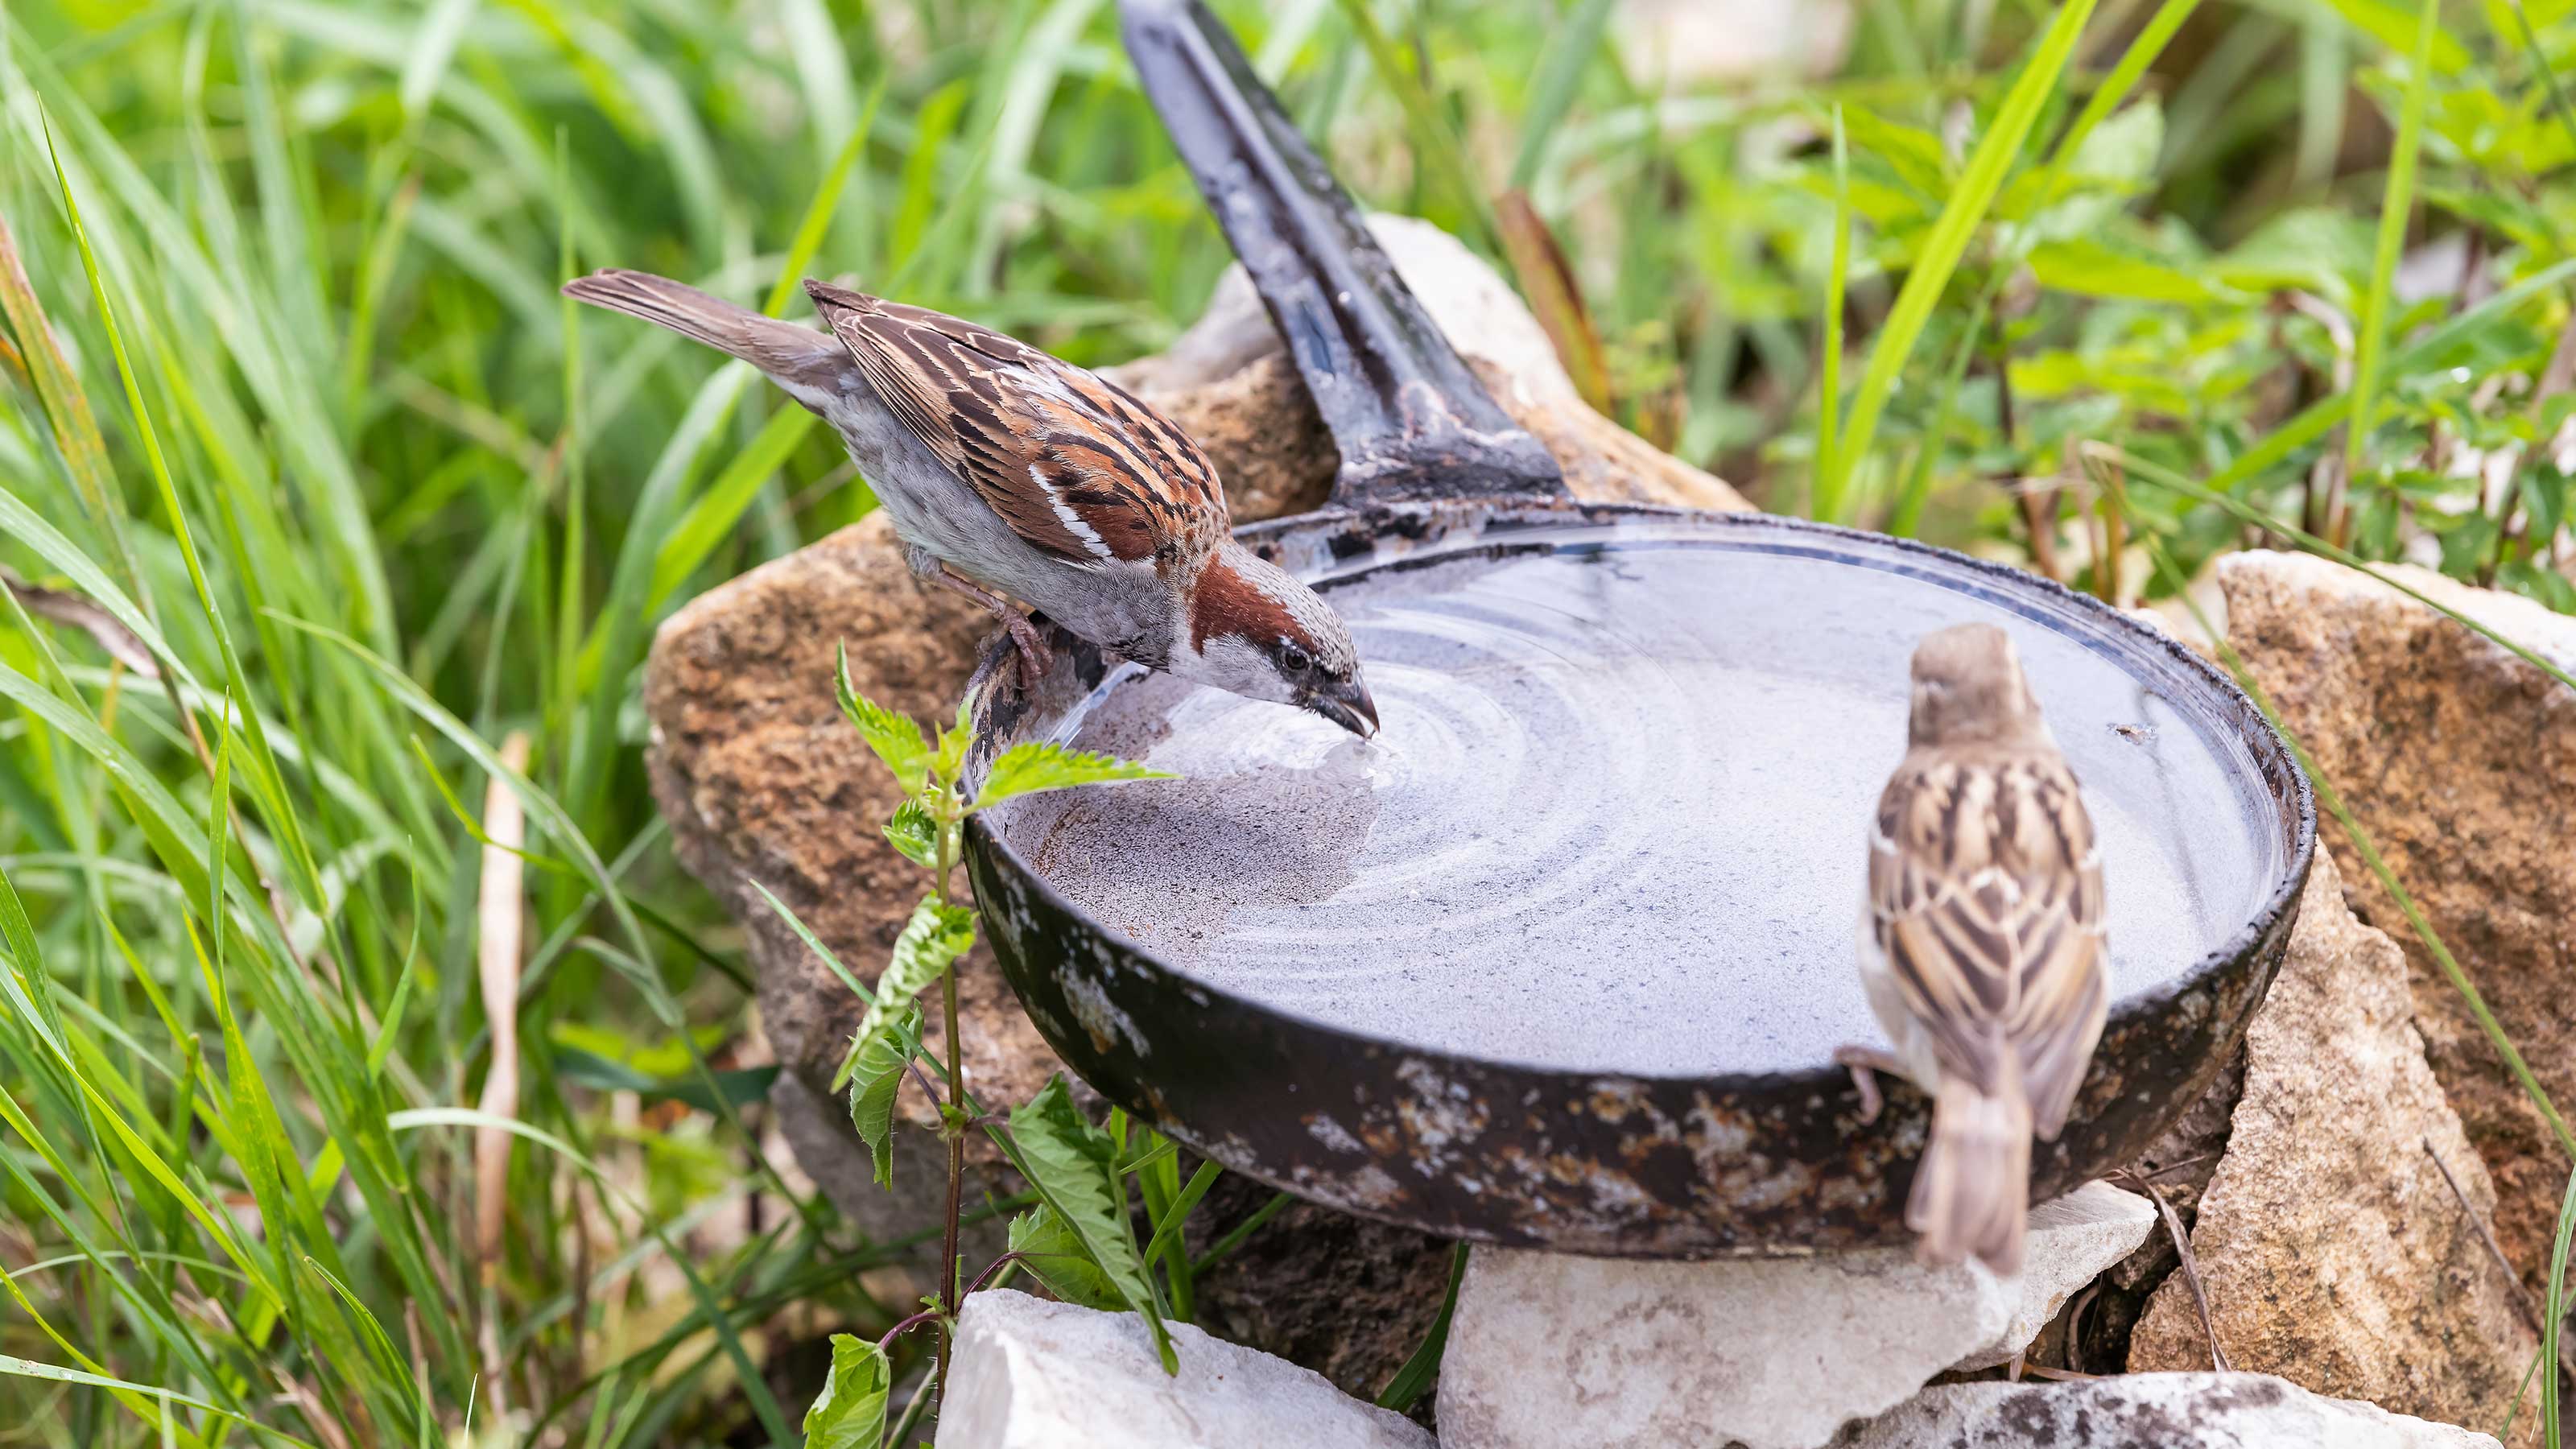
x=1077, y=1238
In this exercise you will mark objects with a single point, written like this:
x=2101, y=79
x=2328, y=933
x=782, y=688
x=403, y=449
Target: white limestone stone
x=2152, y=1411
x=1032, y=1374
x=1550, y=1350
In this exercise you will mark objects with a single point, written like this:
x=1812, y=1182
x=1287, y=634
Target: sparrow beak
x=1347, y=705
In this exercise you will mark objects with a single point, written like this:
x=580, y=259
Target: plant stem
x=886, y=1344
x=959, y=1109
x=903, y=1427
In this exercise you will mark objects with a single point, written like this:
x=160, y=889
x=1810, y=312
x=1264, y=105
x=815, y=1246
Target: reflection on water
x=1616, y=818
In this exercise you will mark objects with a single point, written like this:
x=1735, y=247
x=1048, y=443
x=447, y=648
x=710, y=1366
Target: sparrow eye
x=1293, y=659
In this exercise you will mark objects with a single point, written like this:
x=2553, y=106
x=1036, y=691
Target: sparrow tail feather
x=1972, y=1190
x=797, y=356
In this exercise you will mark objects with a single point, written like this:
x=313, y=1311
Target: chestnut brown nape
x=1227, y=601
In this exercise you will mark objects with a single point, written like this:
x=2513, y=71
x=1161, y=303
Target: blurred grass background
x=320, y=497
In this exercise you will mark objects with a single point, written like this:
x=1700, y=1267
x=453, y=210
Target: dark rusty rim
x=1357, y=530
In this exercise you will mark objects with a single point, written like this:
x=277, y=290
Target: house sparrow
x=1012, y=476
x=1981, y=941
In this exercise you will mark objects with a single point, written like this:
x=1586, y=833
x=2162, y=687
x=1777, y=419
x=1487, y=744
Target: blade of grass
x=2144, y=471
x=1404, y=1390
x=1939, y=257
x=1829, y=385
x=1560, y=74
x=1241, y=1233
x=2397, y=203
x=2320, y=417
x=2554, y=1312
x=1172, y=1213
x=1436, y=151
x=1555, y=297
x=2114, y=89
x=25, y=1368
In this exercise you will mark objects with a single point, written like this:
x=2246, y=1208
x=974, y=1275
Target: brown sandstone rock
x=2332, y=1251
x=761, y=780
x=2460, y=760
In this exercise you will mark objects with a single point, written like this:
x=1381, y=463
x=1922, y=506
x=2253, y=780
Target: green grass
x=288, y=393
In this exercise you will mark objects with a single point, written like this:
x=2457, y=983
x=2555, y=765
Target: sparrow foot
x=1035, y=657
x=1864, y=1064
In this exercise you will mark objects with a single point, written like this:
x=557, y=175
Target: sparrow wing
x=1985, y=891
x=1074, y=463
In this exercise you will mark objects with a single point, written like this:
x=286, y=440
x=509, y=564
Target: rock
x=2150, y=1411
x=1680, y=44
x=2094, y=1335
x=2459, y=759
x=1344, y=1296
x=2332, y=1251
x=2073, y=1240
x=761, y=780
x=1038, y=1375
x=1776, y=1353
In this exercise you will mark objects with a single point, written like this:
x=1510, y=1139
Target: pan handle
x=1410, y=419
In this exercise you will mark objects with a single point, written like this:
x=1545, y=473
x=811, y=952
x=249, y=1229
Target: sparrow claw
x=1864, y=1064
x=1035, y=657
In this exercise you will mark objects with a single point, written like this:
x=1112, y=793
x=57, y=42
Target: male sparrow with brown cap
x=1981, y=942
x=1012, y=476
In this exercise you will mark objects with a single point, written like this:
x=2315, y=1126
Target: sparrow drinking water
x=1981, y=942
x=1010, y=475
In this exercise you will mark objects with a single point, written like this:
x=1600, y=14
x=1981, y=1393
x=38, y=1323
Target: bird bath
x=1614, y=819
x=1562, y=957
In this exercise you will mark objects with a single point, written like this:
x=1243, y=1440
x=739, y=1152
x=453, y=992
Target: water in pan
x=1616, y=818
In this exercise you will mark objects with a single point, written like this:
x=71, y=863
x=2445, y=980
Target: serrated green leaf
x=897, y=739
x=874, y=1079
x=1074, y=1167
x=953, y=743
x=850, y=1412
x=937, y=935
x=1026, y=769
x=1055, y=1257
x=915, y=834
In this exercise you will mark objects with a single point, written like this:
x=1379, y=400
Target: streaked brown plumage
x=1013, y=476
x=1982, y=939
x=1072, y=461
